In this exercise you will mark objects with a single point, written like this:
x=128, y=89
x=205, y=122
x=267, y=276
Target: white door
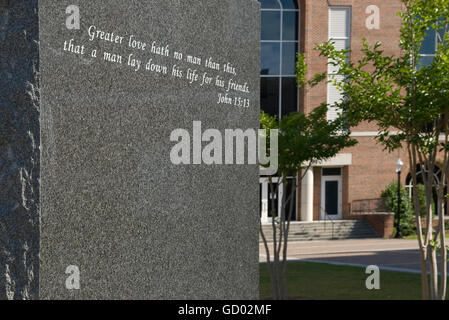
x=331, y=198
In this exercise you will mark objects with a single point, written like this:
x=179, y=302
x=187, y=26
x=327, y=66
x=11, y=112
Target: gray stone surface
x=112, y=203
x=19, y=149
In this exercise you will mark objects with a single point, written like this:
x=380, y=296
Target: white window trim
x=347, y=38
x=323, y=215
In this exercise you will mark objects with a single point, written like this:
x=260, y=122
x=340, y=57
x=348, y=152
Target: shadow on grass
x=314, y=281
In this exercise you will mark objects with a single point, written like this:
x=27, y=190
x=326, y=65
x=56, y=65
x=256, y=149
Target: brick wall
x=372, y=168
x=315, y=26
x=382, y=224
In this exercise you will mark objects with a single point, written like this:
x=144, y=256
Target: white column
x=264, y=203
x=307, y=196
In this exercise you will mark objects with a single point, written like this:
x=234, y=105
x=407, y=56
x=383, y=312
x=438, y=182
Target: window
x=427, y=53
x=428, y=48
x=430, y=44
x=420, y=172
x=340, y=34
x=331, y=171
x=279, y=45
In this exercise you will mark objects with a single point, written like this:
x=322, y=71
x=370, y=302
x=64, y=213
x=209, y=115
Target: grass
x=307, y=280
x=411, y=237
x=415, y=236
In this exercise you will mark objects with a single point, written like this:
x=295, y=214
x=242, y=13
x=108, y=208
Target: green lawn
x=308, y=280
x=415, y=236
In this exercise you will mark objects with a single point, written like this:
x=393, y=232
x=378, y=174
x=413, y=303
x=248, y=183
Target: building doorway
x=268, y=199
x=331, y=194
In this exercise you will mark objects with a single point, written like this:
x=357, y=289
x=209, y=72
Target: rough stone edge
x=19, y=150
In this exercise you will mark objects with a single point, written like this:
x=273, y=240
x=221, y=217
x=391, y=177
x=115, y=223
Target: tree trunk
x=278, y=267
x=423, y=248
x=424, y=280
x=290, y=200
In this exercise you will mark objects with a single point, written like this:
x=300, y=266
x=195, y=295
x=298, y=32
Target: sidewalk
x=394, y=255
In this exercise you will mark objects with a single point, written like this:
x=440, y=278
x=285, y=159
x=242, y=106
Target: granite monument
x=103, y=211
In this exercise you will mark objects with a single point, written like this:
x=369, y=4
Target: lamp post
x=399, y=165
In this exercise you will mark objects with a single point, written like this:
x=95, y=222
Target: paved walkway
x=394, y=255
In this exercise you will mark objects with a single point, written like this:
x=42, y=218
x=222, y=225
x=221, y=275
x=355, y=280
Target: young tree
x=303, y=141
x=401, y=94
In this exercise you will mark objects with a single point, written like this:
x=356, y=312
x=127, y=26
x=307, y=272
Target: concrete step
x=320, y=230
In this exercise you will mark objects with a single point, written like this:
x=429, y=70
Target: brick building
x=359, y=173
